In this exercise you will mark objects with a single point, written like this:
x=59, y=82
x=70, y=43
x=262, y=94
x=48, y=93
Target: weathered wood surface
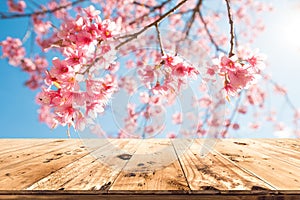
x=108, y=169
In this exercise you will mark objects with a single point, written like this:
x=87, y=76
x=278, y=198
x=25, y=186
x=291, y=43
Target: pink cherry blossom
x=254, y=125
x=177, y=118
x=279, y=126
x=45, y=115
x=90, y=49
x=18, y=6
x=297, y=115
x=40, y=27
x=171, y=135
x=13, y=50
x=240, y=73
x=280, y=89
x=236, y=126
x=242, y=109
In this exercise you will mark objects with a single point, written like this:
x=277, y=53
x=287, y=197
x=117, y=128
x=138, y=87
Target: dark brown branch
x=231, y=28
x=212, y=40
x=152, y=9
x=192, y=19
x=42, y=12
x=156, y=22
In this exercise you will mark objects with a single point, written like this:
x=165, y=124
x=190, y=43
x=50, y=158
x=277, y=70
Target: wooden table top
x=150, y=169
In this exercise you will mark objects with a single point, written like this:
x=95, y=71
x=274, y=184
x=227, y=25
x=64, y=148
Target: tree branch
x=212, y=40
x=192, y=18
x=231, y=28
x=151, y=9
x=286, y=96
x=235, y=111
x=156, y=22
x=159, y=40
x=11, y=16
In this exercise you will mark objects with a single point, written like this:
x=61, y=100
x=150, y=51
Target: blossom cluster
x=239, y=71
x=13, y=50
x=78, y=87
x=170, y=75
x=161, y=82
x=84, y=75
x=16, y=6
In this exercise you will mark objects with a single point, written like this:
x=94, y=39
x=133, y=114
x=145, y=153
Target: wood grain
x=9, y=145
x=96, y=195
x=148, y=170
x=212, y=171
x=286, y=155
x=12, y=159
x=290, y=144
x=277, y=173
x=21, y=174
x=91, y=172
x=238, y=169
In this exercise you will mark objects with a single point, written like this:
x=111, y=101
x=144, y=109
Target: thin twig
x=235, y=111
x=286, y=96
x=136, y=34
x=231, y=28
x=11, y=16
x=28, y=32
x=151, y=9
x=159, y=40
x=36, y=4
x=212, y=40
x=192, y=19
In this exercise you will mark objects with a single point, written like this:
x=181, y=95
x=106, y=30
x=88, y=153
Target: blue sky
x=280, y=42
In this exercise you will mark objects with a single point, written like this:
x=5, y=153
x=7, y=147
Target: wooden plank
x=22, y=174
x=14, y=158
x=89, y=172
x=93, y=195
x=281, y=175
x=154, y=166
x=212, y=171
x=287, y=155
x=291, y=144
x=9, y=145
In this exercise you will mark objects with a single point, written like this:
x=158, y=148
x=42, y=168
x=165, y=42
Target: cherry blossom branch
x=286, y=96
x=11, y=16
x=231, y=28
x=159, y=40
x=184, y=12
x=192, y=18
x=152, y=9
x=36, y=4
x=212, y=40
x=234, y=112
x=136, y=34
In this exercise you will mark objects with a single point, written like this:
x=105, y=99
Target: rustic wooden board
x=20, y=175
x=96, y=195
x=287, y=155
x=277, y=173
x=12, y=159
x=235, y=169
x=9, y=145
x=290, y=144
x=147, y=169
x=212, y=171
x=91, y=172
